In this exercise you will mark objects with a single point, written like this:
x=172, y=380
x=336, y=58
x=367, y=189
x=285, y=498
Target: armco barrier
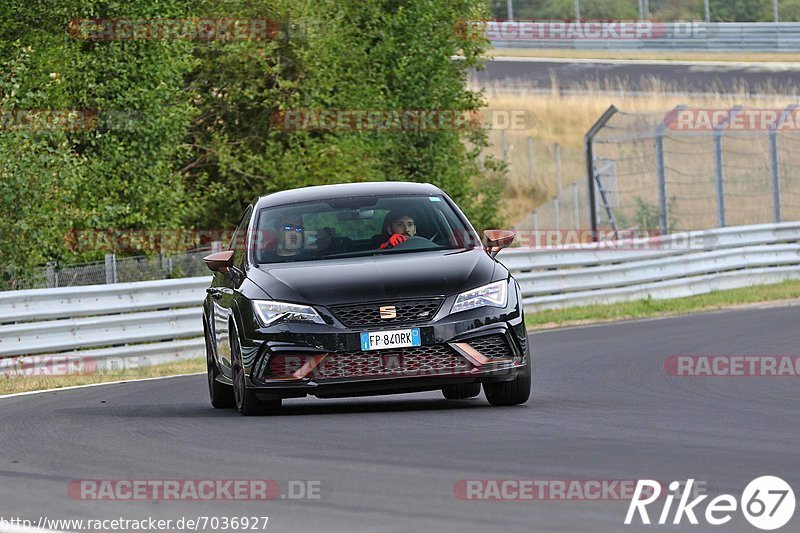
x=157, y=321
x=669, y=36
x=107, y=326
x=680, y=264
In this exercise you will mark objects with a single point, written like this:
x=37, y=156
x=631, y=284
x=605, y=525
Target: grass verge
x=730, y=299
x=14, y=384
x=659, y=56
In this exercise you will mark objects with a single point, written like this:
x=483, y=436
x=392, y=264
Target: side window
x=239, y=239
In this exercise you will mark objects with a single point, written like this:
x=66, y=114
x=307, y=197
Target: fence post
x=111, y=268
x=558, y=168
x=776, y=177
x=663, y=216
x=589, y=154
x=720, y=176
x=504, y=144
x=719, y=179
x=576, y=217
x=530, y=159
x=558, y=215
x=52, y=277
x=776, y=173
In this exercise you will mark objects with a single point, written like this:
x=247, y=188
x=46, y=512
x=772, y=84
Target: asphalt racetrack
x=644, y=76
x=603, y=408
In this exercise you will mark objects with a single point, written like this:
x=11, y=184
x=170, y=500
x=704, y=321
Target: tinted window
x=239, y=239
x=358, y=226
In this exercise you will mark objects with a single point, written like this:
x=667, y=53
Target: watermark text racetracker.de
x=578, y=30
x=67, y=364
x=167, y=240
x=385, y=120
x=545, y=489
x=737, y=119
x=192, y=29
x=184, y=523
x=698, y=365
x=196, y=489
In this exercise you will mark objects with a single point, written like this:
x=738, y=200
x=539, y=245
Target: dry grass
x=634, y=54
x=564, y=119
x=14, y=384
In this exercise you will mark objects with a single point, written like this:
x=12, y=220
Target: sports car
x=362, y=289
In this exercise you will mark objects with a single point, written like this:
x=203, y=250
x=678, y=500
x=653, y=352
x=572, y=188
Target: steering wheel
x=413, y=242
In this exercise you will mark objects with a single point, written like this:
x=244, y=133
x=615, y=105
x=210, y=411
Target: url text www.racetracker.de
x=194, y=523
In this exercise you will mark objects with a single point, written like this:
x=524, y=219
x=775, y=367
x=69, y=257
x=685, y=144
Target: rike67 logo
x=767, y=502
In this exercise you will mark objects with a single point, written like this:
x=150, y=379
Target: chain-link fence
x=697, y=168
x=545, y=185
x=112, y=270
x=678, y=170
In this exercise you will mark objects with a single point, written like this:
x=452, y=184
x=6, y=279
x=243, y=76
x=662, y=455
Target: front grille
x=492, y=346
x=408, y=312
x=419, y=361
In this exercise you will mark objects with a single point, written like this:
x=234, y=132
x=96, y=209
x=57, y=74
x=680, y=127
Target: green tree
x=106, y=175
x=377, y=55
x=186, y=132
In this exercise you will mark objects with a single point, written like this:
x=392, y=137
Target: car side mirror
x=497, y=239
x=220, y=261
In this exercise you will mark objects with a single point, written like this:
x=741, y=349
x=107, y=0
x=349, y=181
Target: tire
x=513, y=392
x=461, y=391
x=245, y=399
x=221, y=395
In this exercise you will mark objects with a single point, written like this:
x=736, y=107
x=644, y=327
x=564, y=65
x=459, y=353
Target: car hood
x=379, y=277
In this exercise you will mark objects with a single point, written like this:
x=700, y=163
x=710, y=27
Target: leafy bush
x=198, y=142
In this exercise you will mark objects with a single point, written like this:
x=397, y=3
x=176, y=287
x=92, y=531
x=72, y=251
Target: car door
x=222, y=295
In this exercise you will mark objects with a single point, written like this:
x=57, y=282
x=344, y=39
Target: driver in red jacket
x=401, y=227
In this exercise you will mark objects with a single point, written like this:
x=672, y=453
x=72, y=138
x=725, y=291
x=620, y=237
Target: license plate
x=396, y=338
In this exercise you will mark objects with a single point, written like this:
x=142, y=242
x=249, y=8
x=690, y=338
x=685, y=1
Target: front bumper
x=297, y=359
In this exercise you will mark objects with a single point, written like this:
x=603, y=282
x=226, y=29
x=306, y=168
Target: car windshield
x=357, y=226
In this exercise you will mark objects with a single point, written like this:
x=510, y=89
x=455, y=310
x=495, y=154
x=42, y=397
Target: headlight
x=491, y=295
x=271, y=312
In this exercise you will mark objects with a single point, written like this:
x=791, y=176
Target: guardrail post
x=111, y=268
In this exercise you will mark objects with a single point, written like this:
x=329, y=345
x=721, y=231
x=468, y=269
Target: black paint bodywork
x=331, y=282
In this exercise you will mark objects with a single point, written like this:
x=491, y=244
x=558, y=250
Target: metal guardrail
x=102, y=326
x=141, y=323
x=687, y=36
x=680, y=264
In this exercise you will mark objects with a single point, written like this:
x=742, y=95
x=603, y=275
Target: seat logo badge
x=388, y=312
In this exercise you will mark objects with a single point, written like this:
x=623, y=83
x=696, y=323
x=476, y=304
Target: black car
x=362, y=289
